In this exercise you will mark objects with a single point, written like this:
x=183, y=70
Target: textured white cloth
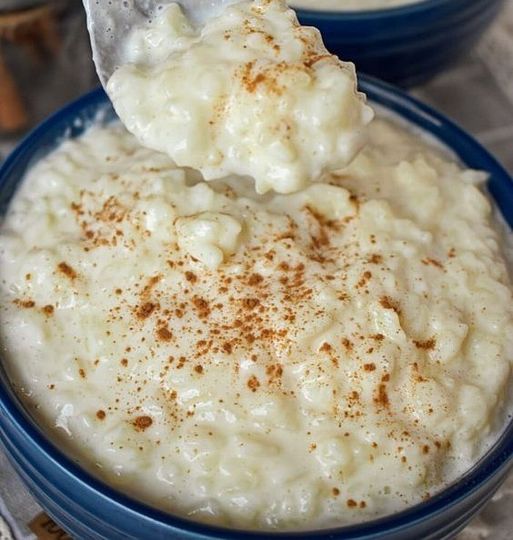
x=5, y=531
x=478, y=94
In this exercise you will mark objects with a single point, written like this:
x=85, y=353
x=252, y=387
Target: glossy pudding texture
x=270, y=362
x=332, y=346
x=251, y=93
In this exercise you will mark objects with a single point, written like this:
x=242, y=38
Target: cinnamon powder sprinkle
x=347, y=344
x=274, y=370
x=48, y=310
x=250, y=303
x=375, y=259
x=142, y=423
x=164, y=334
x=202, y=307
x=389, y=303
x=382, y=396
x=191, y=277
x=433, y=262
x=255, y=279
x=145, y=310
x=67, y=270
x=427, y=345
x=253, y=383
x=27, y=304
x=364, y=279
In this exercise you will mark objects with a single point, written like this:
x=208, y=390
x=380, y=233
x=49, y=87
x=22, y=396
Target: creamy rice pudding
x=251, y=93
x=331, y=347
x=271, y=362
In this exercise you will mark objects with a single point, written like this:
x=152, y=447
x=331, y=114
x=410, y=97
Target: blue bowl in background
x=405, y=45
x=89, y=509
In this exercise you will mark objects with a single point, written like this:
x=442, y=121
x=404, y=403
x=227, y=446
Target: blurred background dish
x=405, y=45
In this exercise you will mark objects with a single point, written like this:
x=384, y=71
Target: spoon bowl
x=109, y=24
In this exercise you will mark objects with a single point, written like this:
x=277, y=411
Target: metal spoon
x=110, y=21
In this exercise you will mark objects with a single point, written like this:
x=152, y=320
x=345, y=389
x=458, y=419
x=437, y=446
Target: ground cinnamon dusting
x=255, y=279
x=382, y=396
x=27, y=304
x=433, y=262
x=250, y=303
x=326, y=347
x=48, y=310
x=427, y=345
x=364, y=279
x=145, y=310
x=164, y=334
x=67, y=270
x=375, y=259
x=142, y=423
x=202, y=307
x=347, y=344
x=389, y=303
x=191, y=277
x=253, y=383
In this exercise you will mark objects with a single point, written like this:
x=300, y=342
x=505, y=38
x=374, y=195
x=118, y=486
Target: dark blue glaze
x=405, y=45
x=89, y=509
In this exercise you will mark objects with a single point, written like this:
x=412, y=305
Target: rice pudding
x=277, y=362
x=250, y=93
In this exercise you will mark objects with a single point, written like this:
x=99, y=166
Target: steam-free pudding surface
x=272, y=362
x=251, y=93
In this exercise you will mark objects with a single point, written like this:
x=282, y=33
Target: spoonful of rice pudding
x=245, y=91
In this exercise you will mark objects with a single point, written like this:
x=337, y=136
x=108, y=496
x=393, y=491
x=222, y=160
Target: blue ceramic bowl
x=89, y=509
x=405, y=45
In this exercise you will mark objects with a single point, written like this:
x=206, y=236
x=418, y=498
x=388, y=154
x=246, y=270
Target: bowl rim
x=416, y=8
x=498, y=457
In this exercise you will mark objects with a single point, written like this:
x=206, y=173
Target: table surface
x=477, y=94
